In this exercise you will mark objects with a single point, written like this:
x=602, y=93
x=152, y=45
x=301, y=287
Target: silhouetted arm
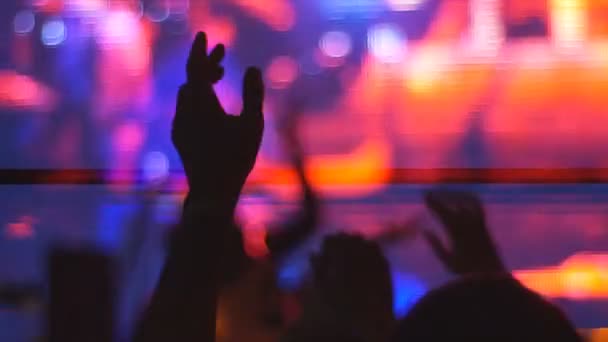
x=218, y=151
x=184, y=304
x=302, y=224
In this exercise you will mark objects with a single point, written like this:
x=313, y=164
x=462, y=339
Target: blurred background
x=506, y=98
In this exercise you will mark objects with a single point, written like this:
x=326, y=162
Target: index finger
x=197, y=57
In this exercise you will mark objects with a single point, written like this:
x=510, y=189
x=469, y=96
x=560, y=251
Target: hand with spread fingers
x=463, y=218
x=218, y=150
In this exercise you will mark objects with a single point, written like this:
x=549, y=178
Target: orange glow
x=359, y=172
x=568, y=23
x=582, y=276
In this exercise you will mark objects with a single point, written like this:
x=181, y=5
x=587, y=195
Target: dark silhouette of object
x=487, y=303
x=350, y=296
x=218, y=152
x=18, y=296
x=81, y=306
x=306, y=220
x=485, y=308
x=463, y=217
x=251, y=304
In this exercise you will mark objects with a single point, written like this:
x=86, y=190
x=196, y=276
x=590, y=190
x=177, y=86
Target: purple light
x=335, y=44
x=24, y=22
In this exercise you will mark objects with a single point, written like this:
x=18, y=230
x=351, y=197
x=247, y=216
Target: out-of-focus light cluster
x=387, y=43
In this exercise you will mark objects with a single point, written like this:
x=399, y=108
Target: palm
x=218, y=150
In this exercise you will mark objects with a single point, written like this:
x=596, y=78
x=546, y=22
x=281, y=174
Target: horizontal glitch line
x=398, y=176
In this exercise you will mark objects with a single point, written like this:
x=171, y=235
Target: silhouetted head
x=351, y=296
x=485, y=308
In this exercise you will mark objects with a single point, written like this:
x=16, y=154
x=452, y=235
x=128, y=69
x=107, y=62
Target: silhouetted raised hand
x=218, y=150
x=463, y=217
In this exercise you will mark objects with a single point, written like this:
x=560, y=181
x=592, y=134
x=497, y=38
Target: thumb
x=253, y=93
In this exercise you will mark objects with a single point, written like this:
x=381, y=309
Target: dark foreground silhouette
x=350, y=296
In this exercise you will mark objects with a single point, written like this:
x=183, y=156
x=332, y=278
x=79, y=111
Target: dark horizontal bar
x=399, y=176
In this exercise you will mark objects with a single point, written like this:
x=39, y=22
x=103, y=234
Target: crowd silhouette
x=208, y=276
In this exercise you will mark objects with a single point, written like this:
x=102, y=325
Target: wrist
x=204, y=206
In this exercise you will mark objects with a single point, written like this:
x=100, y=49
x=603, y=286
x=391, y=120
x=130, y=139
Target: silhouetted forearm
x=294, y=231
x=183, y=306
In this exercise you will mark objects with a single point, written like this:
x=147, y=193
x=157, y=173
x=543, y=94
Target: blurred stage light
x=351, y=8
x=404, y=5
x=487, y=29
x=156, y=166
x=129, y=136
x=336, y=44
x=569, y=23
x=407, y=291
x=24, y=22
x=282, y=71
x=120, y=26
x=53, y=32
x=387, y=43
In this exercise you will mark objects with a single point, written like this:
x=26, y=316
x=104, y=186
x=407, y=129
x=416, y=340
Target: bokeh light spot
x=24, y=22
x=387, y=43
x=335, y=44
x=53, y=32
x=156, y=166
x=282, y=71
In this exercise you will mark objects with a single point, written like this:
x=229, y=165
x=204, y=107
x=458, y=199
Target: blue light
x=387, y=43
x=407, y=291
x=24, y=22
x=53, y=32
x=336, y=9
x=156, y=166
x=292, y=274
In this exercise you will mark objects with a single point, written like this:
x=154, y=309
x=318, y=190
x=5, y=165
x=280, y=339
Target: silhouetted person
x=218, y=152
x=485, y=307
x=351, y=294
x=487, y=303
